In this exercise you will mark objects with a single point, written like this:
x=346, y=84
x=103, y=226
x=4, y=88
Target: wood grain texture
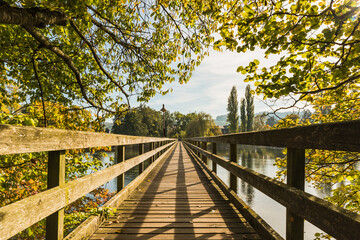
x=330, y=136
x=336, y=221
x=88, y=227
x=261, y=227
x=20, y=139
x=39, y=206
x=177, y=201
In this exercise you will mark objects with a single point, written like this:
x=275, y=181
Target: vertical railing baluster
x=204, y=147
x=151, y=147
x=198, y=152
x=233, y=158
x=157, y=146
x=56, y=177
x=295, y=178
x=120, y=157
x=141, y=151
x=214, y=166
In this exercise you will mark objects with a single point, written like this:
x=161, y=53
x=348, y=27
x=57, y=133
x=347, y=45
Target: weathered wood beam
x=336, y=221
x=119, y=158
x=89, y=226
x=141, y=151
x=214, y=151
x=259, y=224
x=39, y=206
x=20, y=139
x=55, y=177
x=295, y=178
x=233, y=158
x=329, y=136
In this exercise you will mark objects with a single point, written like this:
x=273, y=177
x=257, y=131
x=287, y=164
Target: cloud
x=210, y=85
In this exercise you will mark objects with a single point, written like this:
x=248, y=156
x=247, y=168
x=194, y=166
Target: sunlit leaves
x=137, y=43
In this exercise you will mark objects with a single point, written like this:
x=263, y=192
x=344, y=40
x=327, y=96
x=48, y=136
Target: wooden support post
x=157, y=146
x=233, y=158
x=295, y=178
x=198, y=152
x=120, y=157
x=56, y=177
x=151, y=147
x=214, y=166
x=141, y=151
x=204, y=147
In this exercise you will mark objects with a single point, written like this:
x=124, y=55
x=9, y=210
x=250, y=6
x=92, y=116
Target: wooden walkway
x=176, y=201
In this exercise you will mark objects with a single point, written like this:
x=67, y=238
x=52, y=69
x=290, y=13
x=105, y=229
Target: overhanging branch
x=38, y=17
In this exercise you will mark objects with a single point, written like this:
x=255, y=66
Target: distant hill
x=221, y=120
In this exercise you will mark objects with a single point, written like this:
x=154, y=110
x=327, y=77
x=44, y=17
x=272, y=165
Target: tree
x=201, y=124
x=98, y=54
x=306, y=116
x=233, y=111
x=317, y=40
x=271, y=121
x=259, y=122
x=318, y=44
x=22, y=175
x=243, y=115
x=143, y=121
x=249, y=108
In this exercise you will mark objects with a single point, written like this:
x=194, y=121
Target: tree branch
x=38, y=17
x=41, y=91
x=77, y=30
x=68, y=61
x=350, y=79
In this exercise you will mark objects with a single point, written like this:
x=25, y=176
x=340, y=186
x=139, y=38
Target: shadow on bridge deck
x=176, y=201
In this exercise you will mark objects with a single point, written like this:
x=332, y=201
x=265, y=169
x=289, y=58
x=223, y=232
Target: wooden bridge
x=178, y=196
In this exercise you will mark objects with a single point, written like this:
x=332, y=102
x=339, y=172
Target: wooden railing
x=336, y=221
x=50, y=204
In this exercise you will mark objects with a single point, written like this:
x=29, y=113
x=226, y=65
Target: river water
x=260, y=159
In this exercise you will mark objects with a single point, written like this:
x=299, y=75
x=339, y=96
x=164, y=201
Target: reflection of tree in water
x=247, y=189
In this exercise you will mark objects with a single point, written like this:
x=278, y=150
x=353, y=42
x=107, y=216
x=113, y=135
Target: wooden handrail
x=49, y=204
x=19, y=139
x=328, y=136
x=41, y=205
x=338, y=222
x=341, y=136
x=260, y=226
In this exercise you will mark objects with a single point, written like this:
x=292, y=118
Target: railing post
x=198, y=144
x=141, y=151
x=152, y=146
x=204, y=147
x=56, y=177
x=214, y=166
x=120, y=157
x=157, y=146
x=233, y=158
x=295, y=178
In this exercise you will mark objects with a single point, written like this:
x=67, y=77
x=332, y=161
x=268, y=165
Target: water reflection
x=246, y=189
x=262, y=159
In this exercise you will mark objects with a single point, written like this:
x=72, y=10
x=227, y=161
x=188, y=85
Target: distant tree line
x=145, y=121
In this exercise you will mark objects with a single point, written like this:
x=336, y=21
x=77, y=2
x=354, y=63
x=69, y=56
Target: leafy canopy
x=98, y=54
x=318, y=42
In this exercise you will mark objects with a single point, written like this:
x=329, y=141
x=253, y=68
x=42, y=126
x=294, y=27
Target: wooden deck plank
x=176, y=201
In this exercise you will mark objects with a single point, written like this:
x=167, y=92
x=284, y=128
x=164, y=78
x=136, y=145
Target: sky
x=211, y=83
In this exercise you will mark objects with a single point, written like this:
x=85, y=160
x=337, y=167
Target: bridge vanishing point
x=178, y=196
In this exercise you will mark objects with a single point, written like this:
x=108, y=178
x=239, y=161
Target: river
x=260, y=159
